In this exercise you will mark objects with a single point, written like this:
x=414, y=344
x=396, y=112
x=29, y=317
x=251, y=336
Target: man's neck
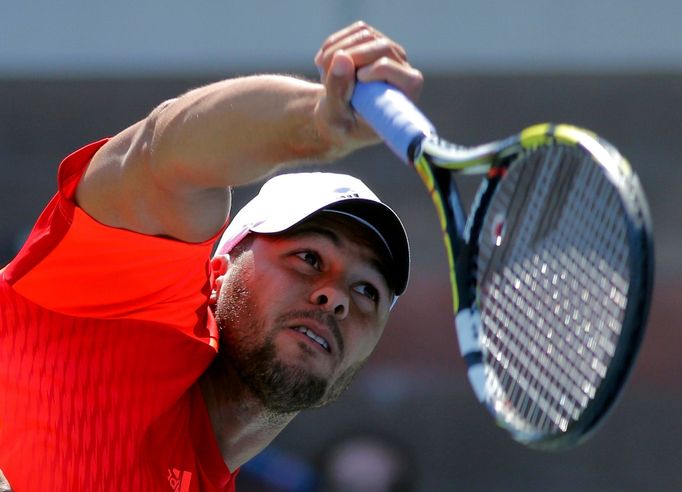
x=242, y=426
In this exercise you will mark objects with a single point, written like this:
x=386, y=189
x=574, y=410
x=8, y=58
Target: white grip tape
x=392, y=115
x=467, y=325
x=477, y=380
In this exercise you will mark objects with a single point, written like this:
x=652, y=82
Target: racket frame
x=412, y=137
x=437, y=163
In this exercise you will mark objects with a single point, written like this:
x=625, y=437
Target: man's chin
x=283, y=388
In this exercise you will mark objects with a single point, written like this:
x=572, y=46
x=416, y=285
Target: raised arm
x=170, y=173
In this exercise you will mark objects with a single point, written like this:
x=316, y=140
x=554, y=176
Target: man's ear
x=219, y=264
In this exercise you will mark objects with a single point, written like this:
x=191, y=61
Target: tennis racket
x=551, y=270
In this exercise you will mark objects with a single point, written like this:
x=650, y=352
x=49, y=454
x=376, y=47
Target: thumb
x=340, y=81
x=337, y=120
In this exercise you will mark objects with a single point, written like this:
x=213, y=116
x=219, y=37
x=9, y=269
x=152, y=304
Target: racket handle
x=392, y=115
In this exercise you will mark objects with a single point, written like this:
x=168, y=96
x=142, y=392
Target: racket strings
x=524, y=392
x=552, y=287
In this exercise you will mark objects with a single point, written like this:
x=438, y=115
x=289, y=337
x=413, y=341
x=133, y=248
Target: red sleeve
x=74, y=265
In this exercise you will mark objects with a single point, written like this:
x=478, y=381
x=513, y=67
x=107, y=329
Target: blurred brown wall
x=415, y=386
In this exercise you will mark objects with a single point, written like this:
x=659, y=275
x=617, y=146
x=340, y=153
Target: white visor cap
x=287, y=199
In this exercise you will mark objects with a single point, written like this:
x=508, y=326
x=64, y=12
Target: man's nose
x=333, y=298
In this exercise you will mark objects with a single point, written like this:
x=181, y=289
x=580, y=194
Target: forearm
x=169, y=174
x=236, y=131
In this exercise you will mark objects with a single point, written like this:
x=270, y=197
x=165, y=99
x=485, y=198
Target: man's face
x=300, y=312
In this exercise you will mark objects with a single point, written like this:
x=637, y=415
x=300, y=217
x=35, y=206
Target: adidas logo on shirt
x=179, y=480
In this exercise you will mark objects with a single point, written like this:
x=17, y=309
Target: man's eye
x=310, y=258
x=369, y=291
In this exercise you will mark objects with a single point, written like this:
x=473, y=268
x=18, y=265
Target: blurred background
x=75, y=71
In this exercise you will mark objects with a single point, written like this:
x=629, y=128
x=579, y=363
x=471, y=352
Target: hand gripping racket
x=551, y=271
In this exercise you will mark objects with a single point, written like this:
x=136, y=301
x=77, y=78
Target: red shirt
x=103, y=333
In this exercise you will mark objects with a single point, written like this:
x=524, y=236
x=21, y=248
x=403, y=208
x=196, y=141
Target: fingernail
x=338, y=69
x=339, y=65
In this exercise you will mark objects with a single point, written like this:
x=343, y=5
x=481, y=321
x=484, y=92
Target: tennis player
x=131, y=360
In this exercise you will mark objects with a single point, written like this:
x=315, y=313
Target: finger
x=364, y=48
x=362, y=41
x=334, y=39
x=345, y=39
x=325, y=55
x=407, y=79
x=377, y=49
x=346, y=32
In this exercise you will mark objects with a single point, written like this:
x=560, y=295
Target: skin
x=170, y=174
x=318, y=277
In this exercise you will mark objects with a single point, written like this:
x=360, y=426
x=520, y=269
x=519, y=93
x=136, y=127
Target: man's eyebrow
x=313, y=230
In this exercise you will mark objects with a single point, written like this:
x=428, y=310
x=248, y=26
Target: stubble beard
x=281, y=388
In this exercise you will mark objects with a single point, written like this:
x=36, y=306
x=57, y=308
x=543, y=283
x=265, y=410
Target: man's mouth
x=313, y=336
